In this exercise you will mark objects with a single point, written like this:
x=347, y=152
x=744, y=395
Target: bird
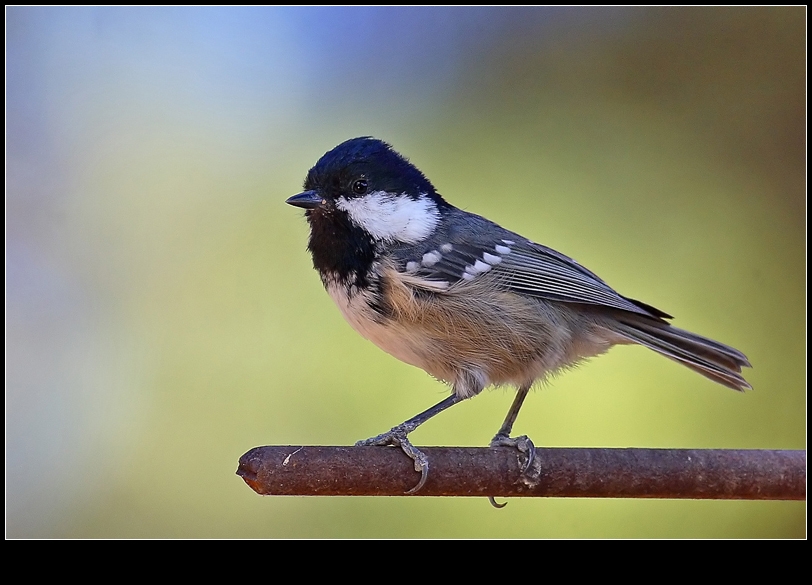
x=468, y=301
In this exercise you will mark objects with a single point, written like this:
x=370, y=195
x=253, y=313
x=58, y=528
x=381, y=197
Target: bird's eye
x=360, y=186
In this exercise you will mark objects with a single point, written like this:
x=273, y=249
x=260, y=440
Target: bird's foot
x=397, y=437
x=523, y=444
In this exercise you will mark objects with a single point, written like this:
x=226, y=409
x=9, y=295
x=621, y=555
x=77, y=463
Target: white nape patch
x=502, y=249
x=509, y=242
x=389, y=216
x=431, y=258
x=491, y=259
x=446, y=248
x=412, y=266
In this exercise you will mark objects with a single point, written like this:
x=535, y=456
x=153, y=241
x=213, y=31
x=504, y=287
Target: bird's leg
x=522, y=443
x=397, y=436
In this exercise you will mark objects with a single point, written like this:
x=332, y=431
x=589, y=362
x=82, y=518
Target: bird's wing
x=519, y=265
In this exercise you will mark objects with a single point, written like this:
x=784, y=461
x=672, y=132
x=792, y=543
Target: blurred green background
x=163, y=316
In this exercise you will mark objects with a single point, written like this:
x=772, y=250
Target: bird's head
x=363, y=184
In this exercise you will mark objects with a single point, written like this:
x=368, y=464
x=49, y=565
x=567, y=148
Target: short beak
x=306, y=199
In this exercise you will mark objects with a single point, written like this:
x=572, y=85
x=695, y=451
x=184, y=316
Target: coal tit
x=466, y=300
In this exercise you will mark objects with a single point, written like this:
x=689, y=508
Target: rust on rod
x=556, y=472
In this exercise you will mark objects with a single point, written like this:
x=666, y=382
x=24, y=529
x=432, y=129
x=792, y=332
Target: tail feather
x=712, y=359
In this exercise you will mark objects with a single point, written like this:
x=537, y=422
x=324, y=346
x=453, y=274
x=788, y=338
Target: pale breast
x=356, y=308
x=479, y=333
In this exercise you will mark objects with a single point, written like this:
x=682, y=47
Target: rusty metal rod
x=556, y=472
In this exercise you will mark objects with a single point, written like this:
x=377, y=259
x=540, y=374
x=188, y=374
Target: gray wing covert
x=480, y=247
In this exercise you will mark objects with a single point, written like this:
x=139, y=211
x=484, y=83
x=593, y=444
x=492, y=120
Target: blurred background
x=163, y=317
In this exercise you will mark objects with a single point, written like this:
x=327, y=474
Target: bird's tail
x=714, y=360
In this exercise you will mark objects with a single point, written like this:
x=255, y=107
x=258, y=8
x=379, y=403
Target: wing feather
x=521, y=266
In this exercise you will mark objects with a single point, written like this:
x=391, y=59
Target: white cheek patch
x=386, y=216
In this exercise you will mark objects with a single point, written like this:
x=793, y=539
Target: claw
x=492, y=500
x=397, y=437
x=523, y=444
x=421, y=463
x=530, y=449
